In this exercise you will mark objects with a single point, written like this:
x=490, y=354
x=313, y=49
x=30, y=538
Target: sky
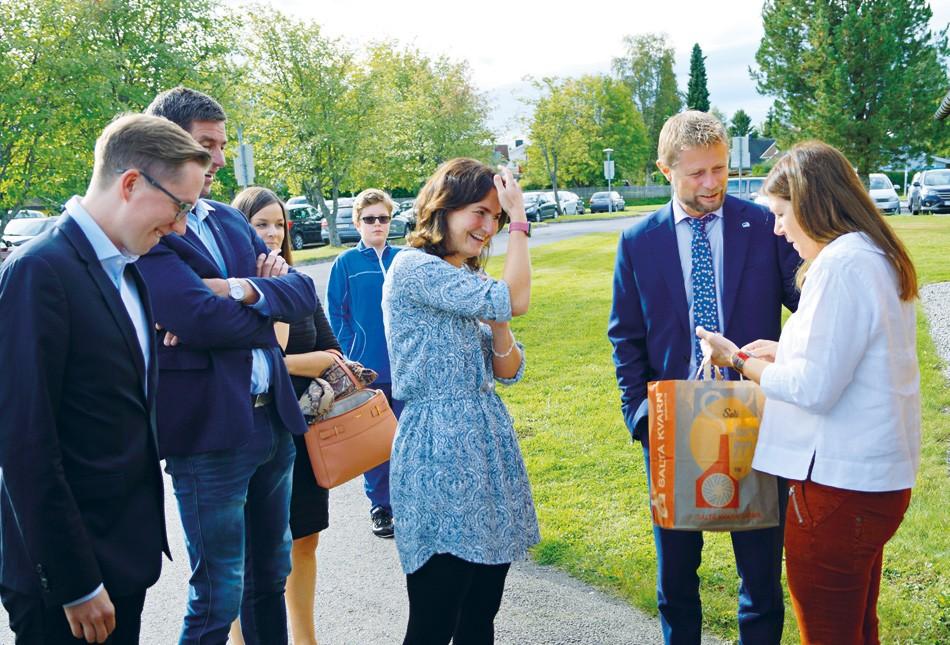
x=504, y=42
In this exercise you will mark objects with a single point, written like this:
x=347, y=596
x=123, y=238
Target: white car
x=750, y=188
x=884, y=193
x=571, y=204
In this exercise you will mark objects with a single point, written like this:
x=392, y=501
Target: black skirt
x=309, y=501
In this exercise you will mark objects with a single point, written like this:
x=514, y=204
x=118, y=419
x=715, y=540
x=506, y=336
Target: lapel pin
x=745, y=225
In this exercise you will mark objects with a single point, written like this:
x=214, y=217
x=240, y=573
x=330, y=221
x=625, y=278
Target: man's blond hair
x=369, y=197
x=686, y=130
x=150, y=144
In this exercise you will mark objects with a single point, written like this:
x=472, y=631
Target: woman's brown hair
x=454, y=185
x=254, y=199
x=829, y=200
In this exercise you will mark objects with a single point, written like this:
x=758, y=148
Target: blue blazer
x=205, y=381
x=649, y=321
x=81, y=488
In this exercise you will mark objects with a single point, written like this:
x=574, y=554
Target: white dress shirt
x=845, y=387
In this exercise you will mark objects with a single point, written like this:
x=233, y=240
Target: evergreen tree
x=863, y=76
x=697, y=96
x=741, y=124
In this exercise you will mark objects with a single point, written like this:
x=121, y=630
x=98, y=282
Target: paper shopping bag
x=702, y=439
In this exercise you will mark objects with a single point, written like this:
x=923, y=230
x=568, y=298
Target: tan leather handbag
x=355, y=435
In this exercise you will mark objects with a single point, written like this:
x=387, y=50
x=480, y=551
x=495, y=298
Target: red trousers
x=834, y=547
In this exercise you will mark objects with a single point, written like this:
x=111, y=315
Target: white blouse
x=845, y=386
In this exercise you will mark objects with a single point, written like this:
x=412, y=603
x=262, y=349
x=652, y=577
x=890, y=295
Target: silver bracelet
x=497, y=355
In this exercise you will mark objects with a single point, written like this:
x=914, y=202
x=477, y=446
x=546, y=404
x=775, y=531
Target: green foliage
x=573, y=121
x=647, y=70
x=863, y=76
x=741, y=124
x=67, y=67
x=697, y=94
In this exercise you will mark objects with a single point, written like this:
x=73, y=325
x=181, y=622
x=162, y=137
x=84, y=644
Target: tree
x=67, y=67
x=741, y=124
x=697, y=96
x=647, y=69
x=309, y=109
x=863, y=76
x=425, y=112
x=770, y=126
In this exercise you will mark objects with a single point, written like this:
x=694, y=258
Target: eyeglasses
x=372, y=219
x=183, y=207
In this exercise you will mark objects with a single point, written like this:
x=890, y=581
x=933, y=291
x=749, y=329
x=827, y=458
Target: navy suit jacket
x=81, y=489
x=649, y=322
x=204, y=392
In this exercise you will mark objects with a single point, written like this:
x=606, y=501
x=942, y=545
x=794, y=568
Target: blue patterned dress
x=457, y=481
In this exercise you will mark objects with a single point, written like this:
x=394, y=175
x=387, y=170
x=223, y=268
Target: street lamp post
x=609, y=175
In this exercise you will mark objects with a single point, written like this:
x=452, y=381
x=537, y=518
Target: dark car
x=303, y=225
x=930, y=192
x=19, y=231
x=538, y=207
x=604, y=202
x=348, y=231
x=4, y=251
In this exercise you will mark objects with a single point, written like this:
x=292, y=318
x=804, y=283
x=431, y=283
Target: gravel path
x=936, y=301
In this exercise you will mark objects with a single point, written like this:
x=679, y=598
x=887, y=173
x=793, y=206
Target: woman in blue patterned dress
x=460, y=493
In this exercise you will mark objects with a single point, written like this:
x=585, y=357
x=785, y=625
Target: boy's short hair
x=183, y=105
x=686, y=130
x=369, y=197
x=150, y=144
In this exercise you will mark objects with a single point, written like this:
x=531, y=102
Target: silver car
x=884, y=193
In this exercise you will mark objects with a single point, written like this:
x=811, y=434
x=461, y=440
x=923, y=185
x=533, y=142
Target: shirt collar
x=201, y=209
x=679, y=214
x=106, y=251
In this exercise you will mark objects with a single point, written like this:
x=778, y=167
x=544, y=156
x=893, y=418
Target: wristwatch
x=236, y=289
x=524, y=227
x=739, y=359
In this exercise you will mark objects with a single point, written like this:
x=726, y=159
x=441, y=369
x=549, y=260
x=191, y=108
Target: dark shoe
x=382, y=519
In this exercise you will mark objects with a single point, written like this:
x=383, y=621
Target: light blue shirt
x=684, y=239
x=260, y=367
x=113, y=263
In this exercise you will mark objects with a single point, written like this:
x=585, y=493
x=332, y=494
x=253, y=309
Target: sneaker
x=382, y=519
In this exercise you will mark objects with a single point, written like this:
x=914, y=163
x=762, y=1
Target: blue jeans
x=236, y=503
x=758, y=556
x=376, y=480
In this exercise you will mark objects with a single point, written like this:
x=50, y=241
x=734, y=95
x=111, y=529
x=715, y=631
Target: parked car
x=929, y=192
x=604, y=202
x=303, y=225
x=348, y=232
x=27, y=213
x=407, y=213
x=22, y=230
x=4, y=252
x=300, y=199
x=538, y=207
x=748, y=188
x=884, y=193
x=571, y=204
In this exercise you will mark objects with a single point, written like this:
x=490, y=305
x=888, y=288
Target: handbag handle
x=339, y=361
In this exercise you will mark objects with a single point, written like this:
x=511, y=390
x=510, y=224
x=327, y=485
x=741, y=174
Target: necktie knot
x=698, y=224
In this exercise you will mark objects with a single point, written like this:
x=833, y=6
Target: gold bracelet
x=497, y=355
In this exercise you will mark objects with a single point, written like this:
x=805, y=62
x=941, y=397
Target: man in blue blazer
x=703, y=259
x=226, y=406
x=82, y=524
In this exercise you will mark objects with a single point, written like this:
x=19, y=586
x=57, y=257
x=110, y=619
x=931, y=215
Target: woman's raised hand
x=509, y=195
x=764, y=349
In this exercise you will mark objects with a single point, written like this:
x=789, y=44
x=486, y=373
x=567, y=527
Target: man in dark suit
x=226, y=406
x=712, y=260
x=82, y=524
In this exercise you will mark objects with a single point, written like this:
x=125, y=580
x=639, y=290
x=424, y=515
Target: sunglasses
x=372, y=219
x=183, y=207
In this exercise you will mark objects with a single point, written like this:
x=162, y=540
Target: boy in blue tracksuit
x=354, y=294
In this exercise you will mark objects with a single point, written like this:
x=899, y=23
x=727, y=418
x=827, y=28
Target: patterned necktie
x=705, y=308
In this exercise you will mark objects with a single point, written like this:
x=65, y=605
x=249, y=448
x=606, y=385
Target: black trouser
x=36, y=624
x=451, y=598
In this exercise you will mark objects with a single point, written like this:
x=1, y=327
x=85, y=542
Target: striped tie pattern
x=705, y=308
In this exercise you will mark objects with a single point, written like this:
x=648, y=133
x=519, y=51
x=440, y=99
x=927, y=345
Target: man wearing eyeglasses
x=354, y=297
x=82, y=525
x=226, y=406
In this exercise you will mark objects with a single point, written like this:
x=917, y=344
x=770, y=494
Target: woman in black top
x=305, y=347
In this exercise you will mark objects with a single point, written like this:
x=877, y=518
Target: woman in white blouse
x=842, y=418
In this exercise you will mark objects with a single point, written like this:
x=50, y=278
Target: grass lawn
x=325, y=253
x=641, y=209
x=589, y=482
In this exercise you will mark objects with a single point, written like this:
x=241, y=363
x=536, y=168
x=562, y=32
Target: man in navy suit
x=226, y=406
x=82, y=525
x=703, y=259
